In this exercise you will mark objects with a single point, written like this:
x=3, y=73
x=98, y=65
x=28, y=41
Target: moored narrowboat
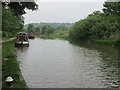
x=31, y=35
x=22, y=40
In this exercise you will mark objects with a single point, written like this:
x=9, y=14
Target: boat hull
x=22, y=44
x=31, y=37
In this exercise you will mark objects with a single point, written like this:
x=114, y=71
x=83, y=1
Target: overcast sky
x=67, y=12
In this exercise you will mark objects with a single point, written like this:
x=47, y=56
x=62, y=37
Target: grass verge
x=107, y=42
x=10, y=67
x=60, y=36
x=54, y=36
x=5, y=38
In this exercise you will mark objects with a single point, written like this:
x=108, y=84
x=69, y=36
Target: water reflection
x=109, y=63
x=59, y=64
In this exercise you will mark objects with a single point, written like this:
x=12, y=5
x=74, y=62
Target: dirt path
x=3, y=41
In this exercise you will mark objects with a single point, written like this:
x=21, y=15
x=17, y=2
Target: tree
x=98, y=25
x=46, y=29
x=30, y=28
x=112, y=8
x=61, y=28
x=19, y=7
x=83, y=29
x=37, y=29
x=112, y=14
x=12, y=12
x=10, y=22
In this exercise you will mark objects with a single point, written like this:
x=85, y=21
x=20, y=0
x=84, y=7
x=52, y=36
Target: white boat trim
x=22, y=42
x=18, y=42
x=25, y=42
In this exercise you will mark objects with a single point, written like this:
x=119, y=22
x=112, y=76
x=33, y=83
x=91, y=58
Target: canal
x=48, y=63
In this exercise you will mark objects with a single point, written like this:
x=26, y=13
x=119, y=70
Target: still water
x=60, y=64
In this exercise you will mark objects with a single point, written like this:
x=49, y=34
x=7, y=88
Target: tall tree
x=12, y=15
x=46, y=29
x=112, y=8
x=19, y=7
x=30, y=28
x=10, y=22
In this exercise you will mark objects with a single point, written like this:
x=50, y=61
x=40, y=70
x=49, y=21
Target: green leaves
x=83, y=30
x=10, y=22
x=19, y=7
x=46, y=29
x=112, y=8
x=98, y=25
x=30, y=28
x=12, y=16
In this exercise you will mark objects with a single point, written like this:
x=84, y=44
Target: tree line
x=46, y=29
x=54, y=24
x=98, y=25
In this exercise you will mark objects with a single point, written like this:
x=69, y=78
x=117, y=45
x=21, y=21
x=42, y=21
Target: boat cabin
x=22, y=39
x=31, y=35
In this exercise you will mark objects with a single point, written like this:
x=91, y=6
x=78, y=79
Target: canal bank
x=65, y=36
x=10, y=66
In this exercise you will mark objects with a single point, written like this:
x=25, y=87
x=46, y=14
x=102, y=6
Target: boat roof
x=22, y=36
x=22, y=33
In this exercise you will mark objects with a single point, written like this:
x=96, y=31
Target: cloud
x=62, y=11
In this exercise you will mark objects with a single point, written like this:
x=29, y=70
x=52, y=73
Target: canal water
x=57, y=63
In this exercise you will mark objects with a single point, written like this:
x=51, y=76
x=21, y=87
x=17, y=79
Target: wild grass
x=107, y=42
x=57, y=34
x=60, y=36
x=10, y=66
x=5, y=38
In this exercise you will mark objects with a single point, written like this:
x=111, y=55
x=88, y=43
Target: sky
x=62, y=12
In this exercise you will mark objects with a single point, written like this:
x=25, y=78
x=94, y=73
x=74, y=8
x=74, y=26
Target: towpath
x=3, y=41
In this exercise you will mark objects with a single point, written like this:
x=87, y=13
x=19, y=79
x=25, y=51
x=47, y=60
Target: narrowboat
x=22, y=40
x=31, y=35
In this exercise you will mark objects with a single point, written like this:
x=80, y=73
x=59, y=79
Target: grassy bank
x=10, y=66
x=107, y=42
x=65, y=36
x=5, y=38
x=113, y=42
x=54, y=36
x=58, y=34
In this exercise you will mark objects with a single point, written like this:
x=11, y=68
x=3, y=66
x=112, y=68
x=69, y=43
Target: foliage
x=82, y=30
x=46, y=29
x=62, y=28
x=106, y=42
x=19, y=7
x=30, y=28
x=50, y=30
x=60, y=36
x=54, y=25
x=12, y=16
x=112, y=8
x=98, y=25
x=10, y=23
x=10, y=66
